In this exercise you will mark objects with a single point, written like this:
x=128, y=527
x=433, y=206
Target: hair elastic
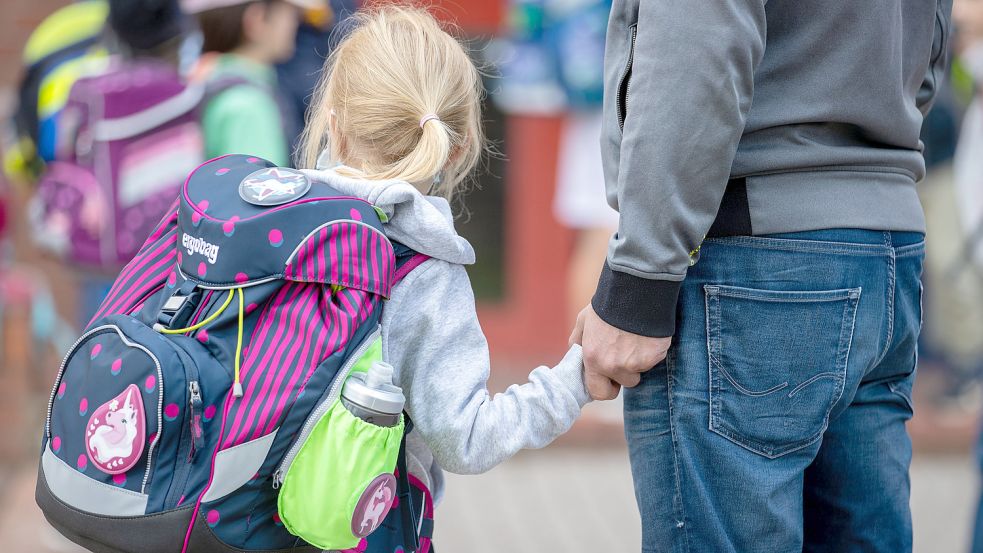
x=428, y=117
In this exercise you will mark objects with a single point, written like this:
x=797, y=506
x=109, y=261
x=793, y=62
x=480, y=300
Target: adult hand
x=613, y=357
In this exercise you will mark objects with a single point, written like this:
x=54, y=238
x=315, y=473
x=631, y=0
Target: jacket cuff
x=638, y=305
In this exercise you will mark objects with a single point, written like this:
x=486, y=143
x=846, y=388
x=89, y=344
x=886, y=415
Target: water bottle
x=373, y=397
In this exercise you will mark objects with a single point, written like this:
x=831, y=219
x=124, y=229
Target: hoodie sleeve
x=432, y=336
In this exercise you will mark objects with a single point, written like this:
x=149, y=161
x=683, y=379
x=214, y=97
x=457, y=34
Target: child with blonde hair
x=396, y=121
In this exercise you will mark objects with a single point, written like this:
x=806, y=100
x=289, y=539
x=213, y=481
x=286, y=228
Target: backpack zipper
x=197, y=433
x=321, y=409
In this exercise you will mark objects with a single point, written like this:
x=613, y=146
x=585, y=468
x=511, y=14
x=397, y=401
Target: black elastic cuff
x=638, y=305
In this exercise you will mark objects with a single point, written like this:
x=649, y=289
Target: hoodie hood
x=423, y=223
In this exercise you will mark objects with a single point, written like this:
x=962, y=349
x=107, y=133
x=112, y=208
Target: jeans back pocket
x=777, y=363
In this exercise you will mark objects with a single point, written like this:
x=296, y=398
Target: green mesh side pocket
x=340, y=485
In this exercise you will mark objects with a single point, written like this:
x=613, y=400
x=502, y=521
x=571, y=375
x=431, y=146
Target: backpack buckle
x=179, y=308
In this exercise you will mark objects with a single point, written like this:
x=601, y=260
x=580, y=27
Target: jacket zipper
x=321, y=409
x=625, y=81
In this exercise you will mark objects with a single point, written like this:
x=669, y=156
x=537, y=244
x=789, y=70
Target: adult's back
x=763, y=157
x=775, y=91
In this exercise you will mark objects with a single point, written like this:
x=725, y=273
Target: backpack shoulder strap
x=407, y=259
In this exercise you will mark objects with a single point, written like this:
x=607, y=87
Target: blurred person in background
x=99, y=196
x=967, y=16
x=553, y=64
x=579, y=30
x=298, y=75
x=244, y=111
x=58, y=51
x=770, y=233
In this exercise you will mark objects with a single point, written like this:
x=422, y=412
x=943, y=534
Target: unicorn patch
x=116, y=432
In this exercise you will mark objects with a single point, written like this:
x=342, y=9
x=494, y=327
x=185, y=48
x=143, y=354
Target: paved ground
x=554, y=501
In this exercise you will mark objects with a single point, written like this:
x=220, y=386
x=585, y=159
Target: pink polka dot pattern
x=355, y=214
x=171, y=279
x=229, y=227
x=150, y=383
x=222, y=171
x=276, y=519
x=119, y=479
x=202, y=336
x=203, y=205
x=117, y=366
x=241, y=278
x=82, y=462
x=83, y=406
x=171, y=411
x=202, y=269
x=252, y=159
x=251, y=307
x=195, y=218
x=210, y=412
x=276, y=238
x=56, y=444
x=212, y=518
x=179, y=257
x=95, y=351
x=61, y=390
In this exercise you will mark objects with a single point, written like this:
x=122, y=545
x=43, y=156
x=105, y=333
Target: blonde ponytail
x=399, y=98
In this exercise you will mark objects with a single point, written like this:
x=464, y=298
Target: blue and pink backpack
x=200, y=409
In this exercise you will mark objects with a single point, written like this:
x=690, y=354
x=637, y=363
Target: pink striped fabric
x=301, y=326
x=346, y=253
x=145, y=273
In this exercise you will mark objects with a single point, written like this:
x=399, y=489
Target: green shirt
x=245, y=118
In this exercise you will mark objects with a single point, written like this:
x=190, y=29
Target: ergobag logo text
x=193, y=245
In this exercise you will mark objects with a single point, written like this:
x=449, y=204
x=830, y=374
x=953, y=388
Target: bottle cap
x=374, y=390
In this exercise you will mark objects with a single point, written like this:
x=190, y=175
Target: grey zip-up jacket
x=757, y=117
x=431, y=335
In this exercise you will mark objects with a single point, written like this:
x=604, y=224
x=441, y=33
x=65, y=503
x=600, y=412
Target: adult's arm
x=691, y=83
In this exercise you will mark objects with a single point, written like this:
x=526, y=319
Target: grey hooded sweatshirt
x=431, y=335
x=751, y=117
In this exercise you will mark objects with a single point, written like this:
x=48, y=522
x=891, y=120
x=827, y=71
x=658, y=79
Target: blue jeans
x=777, y=422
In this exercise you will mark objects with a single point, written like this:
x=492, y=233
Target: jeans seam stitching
x=742, y=389
x=844, y=349
x=844, y=294
x=806, y=246
x=680, y=510
x=891, y=268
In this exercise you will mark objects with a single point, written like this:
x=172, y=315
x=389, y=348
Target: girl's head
x=264, y=30
x=399, y=98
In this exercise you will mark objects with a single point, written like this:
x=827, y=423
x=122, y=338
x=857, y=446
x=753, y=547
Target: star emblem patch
x=273, y=186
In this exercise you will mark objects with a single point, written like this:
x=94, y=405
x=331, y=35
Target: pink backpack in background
x=126, y=140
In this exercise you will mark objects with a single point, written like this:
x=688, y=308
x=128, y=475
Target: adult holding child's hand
x=613, y=357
